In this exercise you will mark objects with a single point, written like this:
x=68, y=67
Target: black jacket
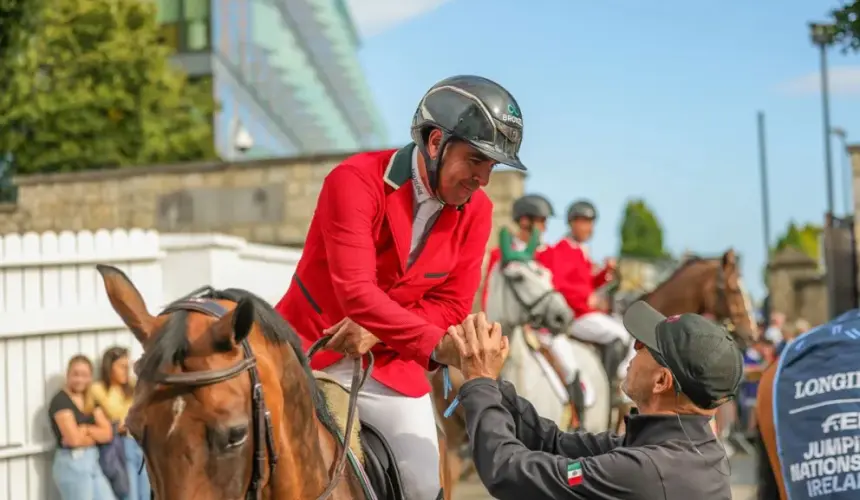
x=519, y=455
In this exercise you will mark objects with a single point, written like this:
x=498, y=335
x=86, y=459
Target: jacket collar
x=657, y=429
x=399, y=168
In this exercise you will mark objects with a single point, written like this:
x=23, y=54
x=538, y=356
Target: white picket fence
x=53, y=306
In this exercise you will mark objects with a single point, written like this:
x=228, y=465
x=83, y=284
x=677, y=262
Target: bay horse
x=226, y=405
x=713, y=288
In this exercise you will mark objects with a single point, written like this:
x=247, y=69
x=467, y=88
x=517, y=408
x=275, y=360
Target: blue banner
x=816, y=411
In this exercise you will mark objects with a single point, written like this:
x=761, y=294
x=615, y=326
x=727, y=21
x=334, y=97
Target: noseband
x=260, y=414
x=535, y=320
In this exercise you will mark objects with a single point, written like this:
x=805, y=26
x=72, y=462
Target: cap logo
x=672, y=319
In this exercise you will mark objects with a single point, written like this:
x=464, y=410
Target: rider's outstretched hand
x=482, y=347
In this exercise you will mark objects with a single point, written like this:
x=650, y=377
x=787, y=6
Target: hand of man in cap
x=482, y=347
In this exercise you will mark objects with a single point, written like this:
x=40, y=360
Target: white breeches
x=409, y=426
x=600, y=328
x=560, y=347
x=557, y=345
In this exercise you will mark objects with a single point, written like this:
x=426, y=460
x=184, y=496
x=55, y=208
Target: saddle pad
x=816, y=411
x=555, y=383
x=337, y=400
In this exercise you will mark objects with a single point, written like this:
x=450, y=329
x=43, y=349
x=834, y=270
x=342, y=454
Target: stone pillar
x=854, y=154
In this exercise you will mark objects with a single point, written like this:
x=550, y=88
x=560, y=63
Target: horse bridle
x=260, y=414
x=723, y=296
x=535, y=320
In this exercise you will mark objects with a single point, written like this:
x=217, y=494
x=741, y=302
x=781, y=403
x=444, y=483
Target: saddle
x=366, y=442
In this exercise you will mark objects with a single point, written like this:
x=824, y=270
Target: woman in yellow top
x=115, y=394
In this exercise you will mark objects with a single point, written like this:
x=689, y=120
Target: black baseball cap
x=702, y=355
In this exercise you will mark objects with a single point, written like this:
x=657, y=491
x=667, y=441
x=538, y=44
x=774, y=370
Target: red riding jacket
x=543, y=255
x=354, y=265
x=572, y=275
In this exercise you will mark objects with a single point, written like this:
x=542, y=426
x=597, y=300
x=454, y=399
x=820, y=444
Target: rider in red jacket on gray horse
x=574, y=276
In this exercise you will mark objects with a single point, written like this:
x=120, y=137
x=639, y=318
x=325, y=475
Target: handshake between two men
x=475, y=346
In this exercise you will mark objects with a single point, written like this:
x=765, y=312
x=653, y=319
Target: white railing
x=53, y=306
x=226, y=261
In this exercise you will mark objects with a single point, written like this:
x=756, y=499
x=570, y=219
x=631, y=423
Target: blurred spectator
x=774, y=332
x=115, y=394
x=757, y=357
x=76, y=469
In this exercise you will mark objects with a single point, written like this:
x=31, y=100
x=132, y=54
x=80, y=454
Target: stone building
x=797, y=286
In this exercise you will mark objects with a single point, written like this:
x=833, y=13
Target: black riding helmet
x=532, y=205
x=472, y=109
x=581, y=209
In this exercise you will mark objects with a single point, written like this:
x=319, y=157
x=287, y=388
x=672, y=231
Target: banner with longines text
x=816, y=410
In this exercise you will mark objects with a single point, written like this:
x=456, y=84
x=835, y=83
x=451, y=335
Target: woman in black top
x=78, y=429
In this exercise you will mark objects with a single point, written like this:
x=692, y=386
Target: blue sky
x=656, y=100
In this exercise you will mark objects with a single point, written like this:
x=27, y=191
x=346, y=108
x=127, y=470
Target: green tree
x=805, y=238
x=16, y=22
x=94, y=88
x=846, y=20
x=641, y=234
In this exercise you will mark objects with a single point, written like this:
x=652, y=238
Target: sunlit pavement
x=743, y=479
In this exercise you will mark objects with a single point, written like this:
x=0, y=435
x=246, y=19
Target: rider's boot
x=577, y=398
x=612, y=355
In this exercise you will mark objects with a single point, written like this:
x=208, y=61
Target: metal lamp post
x=847, y=179
x=822, y=37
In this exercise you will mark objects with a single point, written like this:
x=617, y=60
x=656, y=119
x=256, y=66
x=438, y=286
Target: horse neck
x=302, y=470
x=683, y=292
x=502, y=305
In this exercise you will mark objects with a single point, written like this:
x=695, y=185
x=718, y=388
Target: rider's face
x=581, y=229
x=463, y=170
x=526, y=225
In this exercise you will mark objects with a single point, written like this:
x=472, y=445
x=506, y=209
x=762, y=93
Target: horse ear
x=233, y=327
x=506, y=244
x=127, y=302
x=243, y=320
x=729, y=258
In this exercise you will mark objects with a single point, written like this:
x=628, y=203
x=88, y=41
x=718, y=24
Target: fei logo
x=848, y=421
x=512, y=115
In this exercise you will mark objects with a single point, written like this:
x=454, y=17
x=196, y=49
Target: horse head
x=521, y=290
x=710, y=287
x=223, y=391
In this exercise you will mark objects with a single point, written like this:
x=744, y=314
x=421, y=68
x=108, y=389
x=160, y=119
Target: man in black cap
x=685, y=367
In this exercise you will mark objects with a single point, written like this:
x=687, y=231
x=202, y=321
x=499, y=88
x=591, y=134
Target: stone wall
x=270, y=201
x=797, y=287
x=854, y=153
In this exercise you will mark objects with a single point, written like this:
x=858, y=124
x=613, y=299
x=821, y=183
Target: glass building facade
x=285, y=71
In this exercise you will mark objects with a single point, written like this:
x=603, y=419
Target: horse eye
x=236, y=436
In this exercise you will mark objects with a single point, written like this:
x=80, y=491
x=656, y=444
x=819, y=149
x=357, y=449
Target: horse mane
x=693, y=259
x=172, y=346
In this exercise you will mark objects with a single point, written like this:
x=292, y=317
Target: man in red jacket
x=574, y=277
x=393, y=259
x=530, y=213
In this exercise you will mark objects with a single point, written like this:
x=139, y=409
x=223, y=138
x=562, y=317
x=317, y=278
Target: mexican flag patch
x=574, y=474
